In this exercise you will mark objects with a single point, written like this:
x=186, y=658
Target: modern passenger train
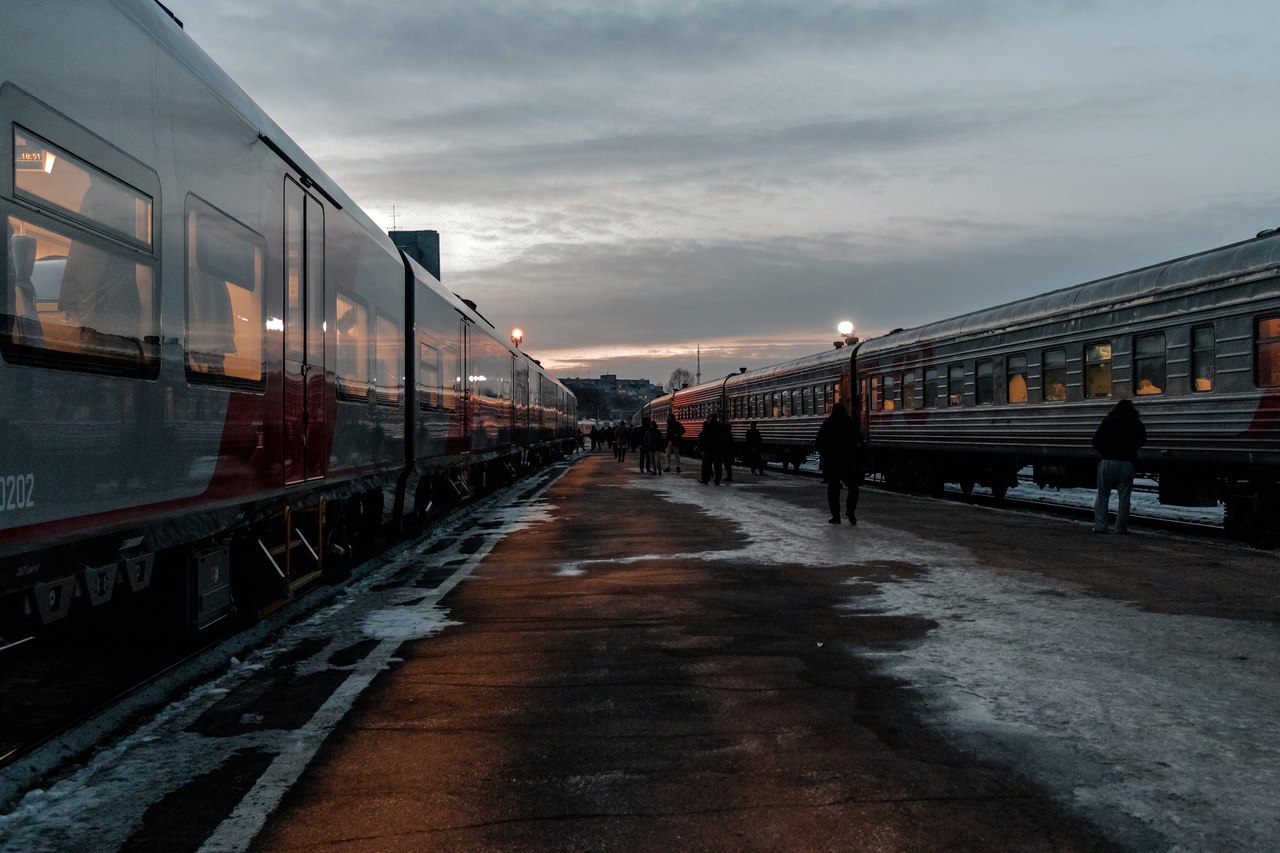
x=1195, y=342
x=216, y=371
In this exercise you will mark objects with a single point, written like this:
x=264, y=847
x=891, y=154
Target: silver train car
x=1194, y=342
x=216, y=372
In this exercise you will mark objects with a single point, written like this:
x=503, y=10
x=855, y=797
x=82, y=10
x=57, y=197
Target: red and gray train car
x=216, y=372
x=1194, y=342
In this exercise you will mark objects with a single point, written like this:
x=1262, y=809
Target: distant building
x=610, y=398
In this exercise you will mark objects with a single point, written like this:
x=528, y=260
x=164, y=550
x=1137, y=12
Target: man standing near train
x=1117, y=440
x=840, y=453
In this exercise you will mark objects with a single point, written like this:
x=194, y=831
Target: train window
x=890, y=393
x=909, y=390
x=430, y=393
x=54, y=179
x=1097, y=370
x=984, y=384
x=773, y=404
x=1149, y=364
x=388, y=361
x=353, y=348
x=1016, y=375
x=877, y=397
x=77, y=301
x=931, y=387
x=955, y=385
x=226, y=270
x=1203, y=352
x=1053, y=373
x=1268, y=369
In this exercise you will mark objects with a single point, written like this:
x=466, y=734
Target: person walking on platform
x=675, y=433
x=1117, y=440
x=621, y=441
x=709, y=444
x=653, y=441
x=840, y=460
x=640, y=441
x=754, y=453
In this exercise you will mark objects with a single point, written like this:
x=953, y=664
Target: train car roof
x=175, y=40
x=1246, y=258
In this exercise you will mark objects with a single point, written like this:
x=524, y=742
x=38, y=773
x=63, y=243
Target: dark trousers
x=854, y=483
x=711, y=464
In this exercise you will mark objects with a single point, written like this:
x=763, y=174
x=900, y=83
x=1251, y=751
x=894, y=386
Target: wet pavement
x=620, y=661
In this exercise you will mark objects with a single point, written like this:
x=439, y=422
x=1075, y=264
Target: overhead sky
x=631, y=181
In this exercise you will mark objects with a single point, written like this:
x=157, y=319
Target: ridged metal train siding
x=1231, y=426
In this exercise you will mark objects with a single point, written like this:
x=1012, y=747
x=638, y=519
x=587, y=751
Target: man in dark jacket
x=1117, y=440
x=840, y=450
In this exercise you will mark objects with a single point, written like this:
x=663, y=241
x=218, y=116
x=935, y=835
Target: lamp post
x=517, y=335
x=847, y=338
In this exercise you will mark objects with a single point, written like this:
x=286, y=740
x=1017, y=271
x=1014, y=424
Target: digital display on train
x=29, y=159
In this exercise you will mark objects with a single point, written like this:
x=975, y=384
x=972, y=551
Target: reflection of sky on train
x=1141, y=721
x=659, y=173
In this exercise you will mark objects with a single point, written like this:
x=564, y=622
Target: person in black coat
x=840, y=450
x=1117, y=440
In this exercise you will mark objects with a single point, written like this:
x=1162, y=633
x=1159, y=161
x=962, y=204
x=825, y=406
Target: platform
x=648, y=663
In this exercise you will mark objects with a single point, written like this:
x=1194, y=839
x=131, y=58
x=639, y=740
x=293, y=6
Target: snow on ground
x=1141, y=722
x=101, y=804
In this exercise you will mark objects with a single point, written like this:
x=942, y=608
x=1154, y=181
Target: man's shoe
x=835, y=519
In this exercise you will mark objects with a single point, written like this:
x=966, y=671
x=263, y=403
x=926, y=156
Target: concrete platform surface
x=647, y=663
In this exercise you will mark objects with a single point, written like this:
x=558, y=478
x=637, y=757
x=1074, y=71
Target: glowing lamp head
x=845, y=328
x=517, y=335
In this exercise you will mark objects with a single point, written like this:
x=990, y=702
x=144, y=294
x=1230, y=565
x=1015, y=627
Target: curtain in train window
x=353, y=348
x=890, y=393
x=909, y=390
x=1149, y=365
x=1054, y=375
x=388, y=361
x=1203, y=358
x=1268, y=361
x=984, y=386
x=77, y=301
x=225, y=272
x=1097, y=370
x=955, y=385
x=1016, y=377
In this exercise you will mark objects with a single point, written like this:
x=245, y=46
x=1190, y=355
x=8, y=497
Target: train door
x=305, y=454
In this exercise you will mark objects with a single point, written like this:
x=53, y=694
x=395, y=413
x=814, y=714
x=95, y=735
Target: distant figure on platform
x=1117, y=440
x=653, y=440
x=675, y=434
x=754, y=453
x=638, y=442
x=621, y=441
x=595, y=437
x=709, y=444
x=840, y=453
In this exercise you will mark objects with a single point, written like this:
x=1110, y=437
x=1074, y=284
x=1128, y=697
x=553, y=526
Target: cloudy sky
x=628, y=181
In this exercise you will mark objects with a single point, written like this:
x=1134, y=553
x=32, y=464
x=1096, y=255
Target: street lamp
x=845, y=329
x=517, y=335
